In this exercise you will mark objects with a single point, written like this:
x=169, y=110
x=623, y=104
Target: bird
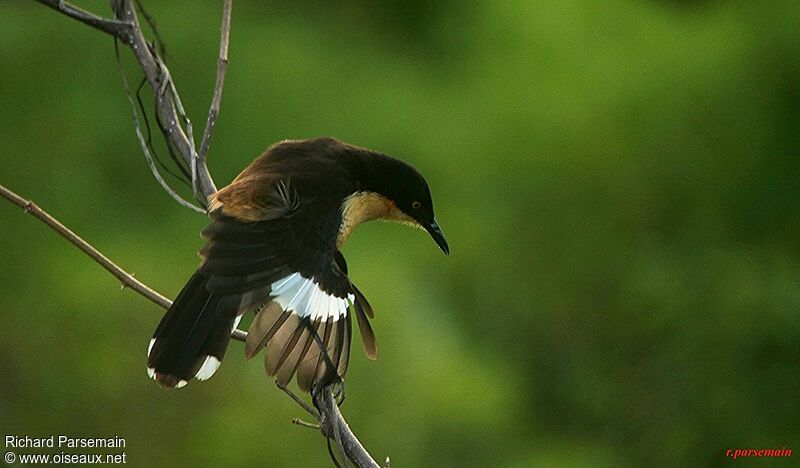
x=273, y=248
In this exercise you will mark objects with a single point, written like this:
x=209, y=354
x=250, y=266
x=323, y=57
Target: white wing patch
x=304, y=298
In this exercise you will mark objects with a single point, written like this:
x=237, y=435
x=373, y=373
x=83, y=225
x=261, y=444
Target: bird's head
x=403, y=192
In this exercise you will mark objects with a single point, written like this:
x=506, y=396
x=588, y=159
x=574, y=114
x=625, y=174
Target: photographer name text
x=63, y=441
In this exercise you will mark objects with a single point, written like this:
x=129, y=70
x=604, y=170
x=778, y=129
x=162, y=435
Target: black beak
x=436, y=232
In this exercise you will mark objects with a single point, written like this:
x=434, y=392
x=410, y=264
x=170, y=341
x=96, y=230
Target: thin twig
x=167, y=104
x=222, y=68
x=168, y=84
x=119, y=29
x=299, y=401
x=126, y=278
x=143, y=142
x=162, y=49
x=302, y=423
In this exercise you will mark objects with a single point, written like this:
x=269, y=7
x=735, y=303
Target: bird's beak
x=436, y=232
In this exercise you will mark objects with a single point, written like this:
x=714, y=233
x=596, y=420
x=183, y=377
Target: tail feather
x=191, y=339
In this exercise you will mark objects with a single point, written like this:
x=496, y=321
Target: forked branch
x=126, y=28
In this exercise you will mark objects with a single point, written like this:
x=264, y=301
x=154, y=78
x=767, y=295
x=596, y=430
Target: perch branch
x=333, y=426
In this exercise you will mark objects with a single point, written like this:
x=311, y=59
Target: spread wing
x=277, y=254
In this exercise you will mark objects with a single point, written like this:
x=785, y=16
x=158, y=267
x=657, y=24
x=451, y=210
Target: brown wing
x=285, y=265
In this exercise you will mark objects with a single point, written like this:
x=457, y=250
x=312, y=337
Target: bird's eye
x=416, y=205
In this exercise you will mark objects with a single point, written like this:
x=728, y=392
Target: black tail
x=191, y=339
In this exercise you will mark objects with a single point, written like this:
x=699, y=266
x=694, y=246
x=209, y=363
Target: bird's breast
x=361, y=207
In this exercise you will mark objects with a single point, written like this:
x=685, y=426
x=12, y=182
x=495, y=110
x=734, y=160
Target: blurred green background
x=618, y=181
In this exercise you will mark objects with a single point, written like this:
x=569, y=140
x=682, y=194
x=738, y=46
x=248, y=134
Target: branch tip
x=301, y=423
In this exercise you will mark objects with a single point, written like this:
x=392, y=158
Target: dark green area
x=618, y=181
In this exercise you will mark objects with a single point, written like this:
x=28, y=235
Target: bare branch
x=126, y=27
x=222, y=68
x=299, y=401
x=302, y=423
x=162, y=49
x=333, y=425
x=145, y=148
x=126, y=278
x=167, y=103
x=119, y=29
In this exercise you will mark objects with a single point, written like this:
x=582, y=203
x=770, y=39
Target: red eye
x=416, y=205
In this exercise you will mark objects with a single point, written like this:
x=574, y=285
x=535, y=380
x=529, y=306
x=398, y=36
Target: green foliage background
x=618, y=181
